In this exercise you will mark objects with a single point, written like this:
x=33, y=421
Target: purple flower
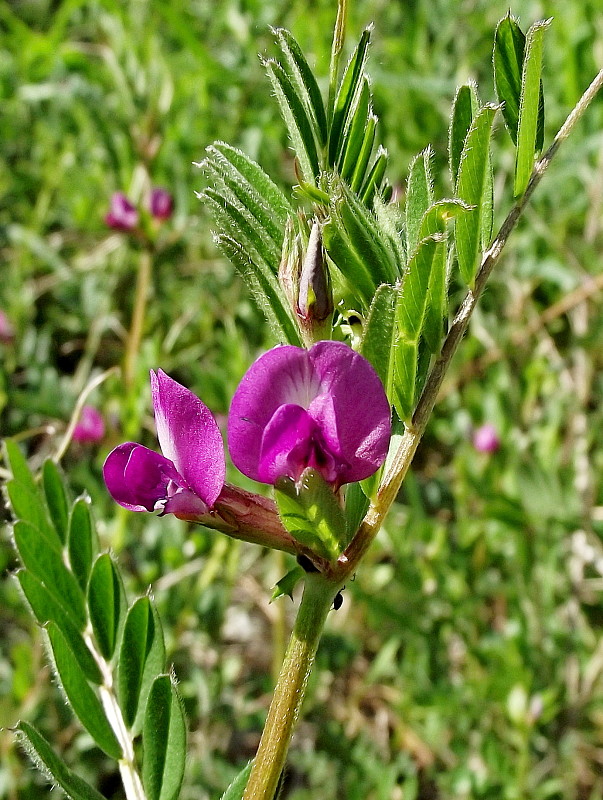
x=122, y=215
x=486, y=439
x=188, y=478
x=90, y=428
x=161, y=204
x=323, y=408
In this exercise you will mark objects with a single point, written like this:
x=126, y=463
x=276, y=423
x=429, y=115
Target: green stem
x=290, y=688
x=143, y=282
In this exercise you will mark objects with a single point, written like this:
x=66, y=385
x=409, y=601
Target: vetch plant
x=355, y=289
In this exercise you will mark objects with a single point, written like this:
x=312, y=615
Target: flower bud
x=122, y=215
x=486, y=439
x=90, y=428
x=161, y=204
x=315, y=298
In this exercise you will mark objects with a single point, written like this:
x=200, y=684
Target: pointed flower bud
x=122, y=215
x=315, y=299
x=323, y=408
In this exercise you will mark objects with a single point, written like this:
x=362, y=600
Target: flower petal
x=286, y=444
x=189, y=436
x=279, y=377
x=352, y=409
x=136, y=477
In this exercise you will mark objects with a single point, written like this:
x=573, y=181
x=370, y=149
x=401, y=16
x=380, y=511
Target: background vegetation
x=466, y=661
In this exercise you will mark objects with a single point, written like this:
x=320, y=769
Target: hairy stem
x=290, y=688
x=392, y=480
x=127, y=764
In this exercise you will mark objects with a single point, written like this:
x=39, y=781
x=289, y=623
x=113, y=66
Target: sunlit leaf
x=419, y=196
x=530, y=109
x=474, y=189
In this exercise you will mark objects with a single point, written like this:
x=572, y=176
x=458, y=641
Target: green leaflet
x=531, y=113
x=299, y=124
x=410, y=314
x=106, y=603
x=304, y=81
x=509, y=48
x=46, y=564
x=84, y=702
x=419, y=196
x=265, y=289
x=435, y=221
x=27, y=505
x=287, y=583
x=235, y=166
x=82, y=541
x=46, y=608
x=163, y=741
x=234, y=220
x=380, y=333
x=464, y=108
x=237, y=787
x=373, y=183
x=310, y=512
x=474, y=188
x=52, y=766
x=17, y=463
x=355, y=133
x=364, y=156
x=56, y=498
x=350, y=85
x=229, y=183
x=141, y=659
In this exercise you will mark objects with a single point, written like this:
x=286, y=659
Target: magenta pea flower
x=323, y=408
x=161, y=204
x=486, y=439
x=90, y=427
x=188, y=478
x=122, y=215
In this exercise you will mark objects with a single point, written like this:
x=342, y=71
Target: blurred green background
x=466, y=661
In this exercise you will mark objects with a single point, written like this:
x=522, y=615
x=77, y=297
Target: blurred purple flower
x=90, y=427
x=161, y=204
x=486, y=439
x=323, y=408
x=122, y=215
x=188, y=478
x=7, y=332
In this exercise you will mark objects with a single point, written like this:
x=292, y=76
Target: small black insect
x=338, y=601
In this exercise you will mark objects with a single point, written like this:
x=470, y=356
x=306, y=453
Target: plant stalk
x=290, y=688
x=143, y=282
